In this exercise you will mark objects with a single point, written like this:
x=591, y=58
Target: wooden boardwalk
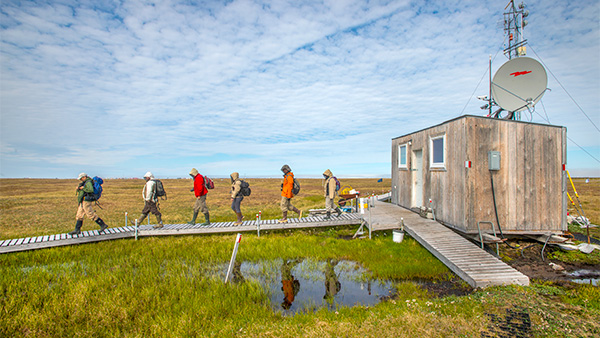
x=49, y=241
x=474, y=265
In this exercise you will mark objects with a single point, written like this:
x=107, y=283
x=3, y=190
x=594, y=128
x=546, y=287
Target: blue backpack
x=97, y=183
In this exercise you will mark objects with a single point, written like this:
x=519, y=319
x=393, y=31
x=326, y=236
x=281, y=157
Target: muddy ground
x=526, y=257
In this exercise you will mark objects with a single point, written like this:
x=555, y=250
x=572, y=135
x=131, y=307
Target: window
x=437, y=152
x=402, y=156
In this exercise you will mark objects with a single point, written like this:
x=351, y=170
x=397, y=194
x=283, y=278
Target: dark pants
x=150, y=207
x=236, y=204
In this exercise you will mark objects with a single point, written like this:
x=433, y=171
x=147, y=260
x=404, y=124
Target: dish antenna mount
x=521, y=82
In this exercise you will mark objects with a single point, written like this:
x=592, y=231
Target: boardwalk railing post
x=432, y=211
x=136, y=229
x=370, y=224
x=257, y=226
x=125, y=218
x=232, y=262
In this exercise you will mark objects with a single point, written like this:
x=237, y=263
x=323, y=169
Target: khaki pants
x=286, y=204
x=329, y=205
x=200, y=205
x=86, y=209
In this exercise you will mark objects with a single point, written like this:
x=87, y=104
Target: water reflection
x=289, y=285
x=332, y=283
x=302, y=284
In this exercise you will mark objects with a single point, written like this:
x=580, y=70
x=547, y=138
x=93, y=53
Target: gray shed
x=455, y=163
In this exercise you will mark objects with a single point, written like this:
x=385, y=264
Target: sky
x=118, y=88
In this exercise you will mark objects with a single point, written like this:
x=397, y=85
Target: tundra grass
x=173, y=287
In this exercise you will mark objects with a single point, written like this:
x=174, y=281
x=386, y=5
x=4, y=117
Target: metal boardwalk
x=49, y=241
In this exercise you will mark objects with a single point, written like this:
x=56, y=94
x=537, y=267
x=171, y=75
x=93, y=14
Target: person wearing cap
x=330, y=193
x=286, y=194
x=236, y=197
x=150, y=202
x=85, y=198
x=200, y=191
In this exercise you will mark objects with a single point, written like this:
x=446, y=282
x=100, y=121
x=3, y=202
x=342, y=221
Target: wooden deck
x=49, y=241
x=474, y=265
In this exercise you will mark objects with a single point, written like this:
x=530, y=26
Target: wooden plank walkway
x=471, y=263
x=90, y=236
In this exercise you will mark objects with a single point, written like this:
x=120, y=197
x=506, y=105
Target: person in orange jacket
x=286, y=193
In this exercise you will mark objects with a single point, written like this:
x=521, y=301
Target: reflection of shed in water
x=456, y=162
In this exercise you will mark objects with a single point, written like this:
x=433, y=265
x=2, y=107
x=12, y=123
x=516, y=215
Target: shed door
x=417, y=178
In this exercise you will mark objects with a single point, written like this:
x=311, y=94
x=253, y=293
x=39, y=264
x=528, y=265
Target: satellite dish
x=519, y=83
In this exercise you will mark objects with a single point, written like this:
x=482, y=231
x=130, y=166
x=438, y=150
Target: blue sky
x=117, y=88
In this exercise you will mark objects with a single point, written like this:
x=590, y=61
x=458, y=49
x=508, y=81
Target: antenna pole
x=490, y=96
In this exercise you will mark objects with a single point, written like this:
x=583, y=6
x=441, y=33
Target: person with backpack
x=200, y=191
x=150, y=197
x=330, y=190
x=85, y=199
x=236, y=197
x=286, y=194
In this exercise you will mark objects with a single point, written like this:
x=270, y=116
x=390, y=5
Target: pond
x=585, y=276
x=303, y=285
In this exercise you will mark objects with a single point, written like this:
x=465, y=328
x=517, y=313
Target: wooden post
x=235, y=250
x=125, y=218
x=258, y=224
x=136, y=229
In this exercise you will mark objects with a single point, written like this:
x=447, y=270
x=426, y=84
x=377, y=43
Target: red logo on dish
x=515, y=74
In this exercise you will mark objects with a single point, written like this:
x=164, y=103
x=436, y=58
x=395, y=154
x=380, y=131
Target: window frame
x=405, y=165
x=437, y=165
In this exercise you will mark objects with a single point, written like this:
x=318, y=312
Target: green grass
x=173, y=287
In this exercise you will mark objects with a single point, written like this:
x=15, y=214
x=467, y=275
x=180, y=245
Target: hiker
x=236, y=197
x=330, y=193
x=286, y=194
x=150, y=202
x=85, y=198
x=200, y=191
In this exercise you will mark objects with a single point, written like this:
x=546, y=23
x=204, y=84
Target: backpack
x=337, y=183
x=296, y=188
x=208, y=183
x=97, y=184
x=245, y=191
x=159, y=189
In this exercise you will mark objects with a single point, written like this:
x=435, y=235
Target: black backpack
x=159, y=189
x=296, y=187
x=245, y=191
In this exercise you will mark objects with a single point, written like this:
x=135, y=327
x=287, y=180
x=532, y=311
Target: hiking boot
x=77, y=230
x=240, y=218
x=328, y=217
x=158, y=226
x=193, y=221
x=207, y=218
x=284, y=219
x=339, y=212
x=102, y=225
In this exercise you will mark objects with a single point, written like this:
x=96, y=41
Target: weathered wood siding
x=529, y=187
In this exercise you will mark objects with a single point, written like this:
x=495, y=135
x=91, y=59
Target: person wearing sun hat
x=150, y=201
x=85, y=199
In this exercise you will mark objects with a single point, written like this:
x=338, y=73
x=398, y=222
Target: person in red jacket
x=286, y=193
x=200, y=191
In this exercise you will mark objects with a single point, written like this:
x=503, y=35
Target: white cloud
x=320, y=83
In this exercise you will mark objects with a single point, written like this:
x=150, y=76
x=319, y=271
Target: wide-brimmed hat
x=149, y=175
x=82, y=175
x=193, y=172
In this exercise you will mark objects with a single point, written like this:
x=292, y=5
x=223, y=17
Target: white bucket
x=397, y=236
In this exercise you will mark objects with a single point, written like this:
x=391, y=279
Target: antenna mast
x=514, y=24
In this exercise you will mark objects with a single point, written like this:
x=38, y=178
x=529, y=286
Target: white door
x=417, y=178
